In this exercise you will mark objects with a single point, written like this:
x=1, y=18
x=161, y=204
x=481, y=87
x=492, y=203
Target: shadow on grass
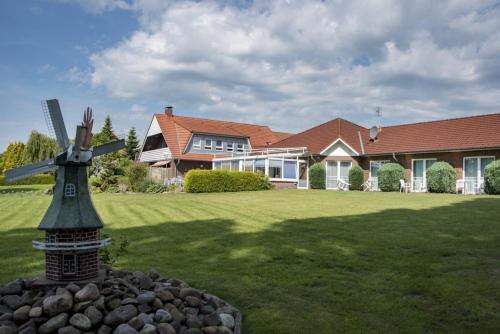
x=398, y=270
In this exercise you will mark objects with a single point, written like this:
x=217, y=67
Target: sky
x=287, y=64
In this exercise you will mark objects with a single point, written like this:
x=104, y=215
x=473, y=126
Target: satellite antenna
x=375, y=130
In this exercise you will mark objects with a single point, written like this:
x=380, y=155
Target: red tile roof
x=177, y=131
x=475, y=132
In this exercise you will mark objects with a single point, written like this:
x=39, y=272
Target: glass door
x=344, y=171
x=303, y=181
x=474, y=173
x=374, y=167
x=332, y=175
x=419, y=177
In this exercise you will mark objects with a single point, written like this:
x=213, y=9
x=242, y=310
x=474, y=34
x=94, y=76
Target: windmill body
x=71, y=223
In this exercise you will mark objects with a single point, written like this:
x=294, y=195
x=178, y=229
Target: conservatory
x=281, y=165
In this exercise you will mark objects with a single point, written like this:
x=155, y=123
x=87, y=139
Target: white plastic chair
x=344, y=186
x=368, y=185
x=404, y=186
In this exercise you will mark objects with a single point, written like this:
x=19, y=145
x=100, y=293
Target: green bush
x=356, y=178
x=136, y=174
x=389, y=176
x=208, y=181
x=441, y=178
x=317, y=176
x=37, y=179
x=95, y=181
x=156, y=188
x=492, y=178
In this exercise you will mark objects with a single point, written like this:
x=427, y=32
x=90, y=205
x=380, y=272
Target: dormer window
x=197, y=143
x=208, y=144
x=230, y=147
x=69, y=190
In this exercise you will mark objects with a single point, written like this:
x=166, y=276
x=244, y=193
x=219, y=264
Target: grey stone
x=192, y=301
x=157, y=304
x=146, y=318
x=13, y=288
x=194, y=322
x=54, y=323
x=68, y=330
x=145, y=308
x=177, y=315
x=12, y=301
x=80, y=321
x=130, y=301
x=114, y=303
x=35, y=312
x=146, y=297
x=80, y=307
x=165, y=295
x=227, y=320
x=211, y=319
x=174, y=290
x=148, y=329
x=7, y=330
x=57, y=304
x=95, y=316
x=136, y=323
x=6, y=316
x=73, y=288
x=120, y=315
x=191, y=311
x=193, y=331
x=190, y=292
x=216, y=330
x=99, y=303
x=154, y=274
x=62, y=291
x=88, y=292
x=145, y=282
x=22, y=314
x=31, y=329
x=207, y=309
x=125, y=329
x=163, y=316
x=165, y=328
x=104, y=330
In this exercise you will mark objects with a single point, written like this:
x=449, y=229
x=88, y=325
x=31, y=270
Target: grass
x=303, y=261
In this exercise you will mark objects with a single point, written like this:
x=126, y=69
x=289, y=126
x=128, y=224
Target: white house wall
x=339, y=149
x=154, y=129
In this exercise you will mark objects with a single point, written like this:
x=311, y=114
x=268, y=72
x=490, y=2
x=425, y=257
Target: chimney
x=169, y=111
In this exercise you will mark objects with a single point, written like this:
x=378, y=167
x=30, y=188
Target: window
x=248, y=165
x=225, y=165
x=208, y=144
x=419, y=174
x=69, y=190
x=239, y=148
x=474, y=172
x=260, y=166
x=218, y=145
x=374, y=167
x=290, y=170
x=275, y=168
x=230, y=147
x=197, y=143
x=235, y=165
x=217, y=164
x=69, y=264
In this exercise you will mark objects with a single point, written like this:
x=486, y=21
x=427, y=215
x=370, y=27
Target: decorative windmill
x=71, y=223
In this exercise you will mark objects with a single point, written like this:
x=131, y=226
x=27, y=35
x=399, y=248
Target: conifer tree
x=132, y=145
x=106, y=134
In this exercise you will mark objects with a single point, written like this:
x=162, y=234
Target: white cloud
x=292, y=64
x=76, y=74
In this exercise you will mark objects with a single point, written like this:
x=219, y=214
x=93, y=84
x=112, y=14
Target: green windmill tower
x=71, y=223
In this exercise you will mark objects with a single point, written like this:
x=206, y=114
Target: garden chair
x=404, y=186
x=368, y=185
x=344, y=186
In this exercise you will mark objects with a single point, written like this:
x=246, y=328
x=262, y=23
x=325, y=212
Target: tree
x=13, y=157
x=106, y=134
x=132, y=146
x=40, y=147
x=1, y=163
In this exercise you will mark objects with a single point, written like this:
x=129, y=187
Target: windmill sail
x=30, y=170
x=109, y=147
x=56, y=122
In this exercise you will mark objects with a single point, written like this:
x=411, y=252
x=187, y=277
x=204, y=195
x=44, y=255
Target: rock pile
x=123, y=303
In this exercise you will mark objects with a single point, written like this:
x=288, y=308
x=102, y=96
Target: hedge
x=37, y=179
x=441, y=178
x=492, y=178
x=209, y=181
x=389, y=176
x=317, y=176
x=356, y=178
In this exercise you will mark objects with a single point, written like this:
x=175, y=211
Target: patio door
x=474, y=173
x=374, y=167
x=335, y=171
x=419, y=178
x=303, y=177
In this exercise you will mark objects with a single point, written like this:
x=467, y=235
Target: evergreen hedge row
x=441, y=178
x=492, y=178
x=389, y=176
x=37, y=179
x=317, y=176
x=210, y=181
x=356, y=178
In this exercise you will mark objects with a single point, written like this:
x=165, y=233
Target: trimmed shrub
x=492, y=178
x=209, y=181
x=389, y=176
x=37, y=179
x=356, y=178
x=441, y=178
x=317, y=176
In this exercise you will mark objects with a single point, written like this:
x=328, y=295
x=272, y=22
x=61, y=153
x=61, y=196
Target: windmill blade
x=108, y=148
x=51, y=107
x=30, y=170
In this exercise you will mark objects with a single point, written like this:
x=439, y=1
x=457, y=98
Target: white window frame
x=478, y=171
x=380, y=164
x=69, y=190
x=338, y=171
x=425, y=172
x=205, y=146
x=197, y=143
x=219, y=148
x=240, y=148
x=230, y=147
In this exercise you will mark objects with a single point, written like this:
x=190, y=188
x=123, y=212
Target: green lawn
x=303, y=261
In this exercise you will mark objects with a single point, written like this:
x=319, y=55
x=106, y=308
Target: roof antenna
x=378, y=111
x=375, y=130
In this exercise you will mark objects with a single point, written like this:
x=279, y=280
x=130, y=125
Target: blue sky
x=288, y=64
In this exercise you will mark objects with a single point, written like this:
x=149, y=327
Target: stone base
x=43, y=281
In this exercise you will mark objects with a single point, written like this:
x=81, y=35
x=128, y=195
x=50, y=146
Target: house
x=467, y=143
x=176, y=144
